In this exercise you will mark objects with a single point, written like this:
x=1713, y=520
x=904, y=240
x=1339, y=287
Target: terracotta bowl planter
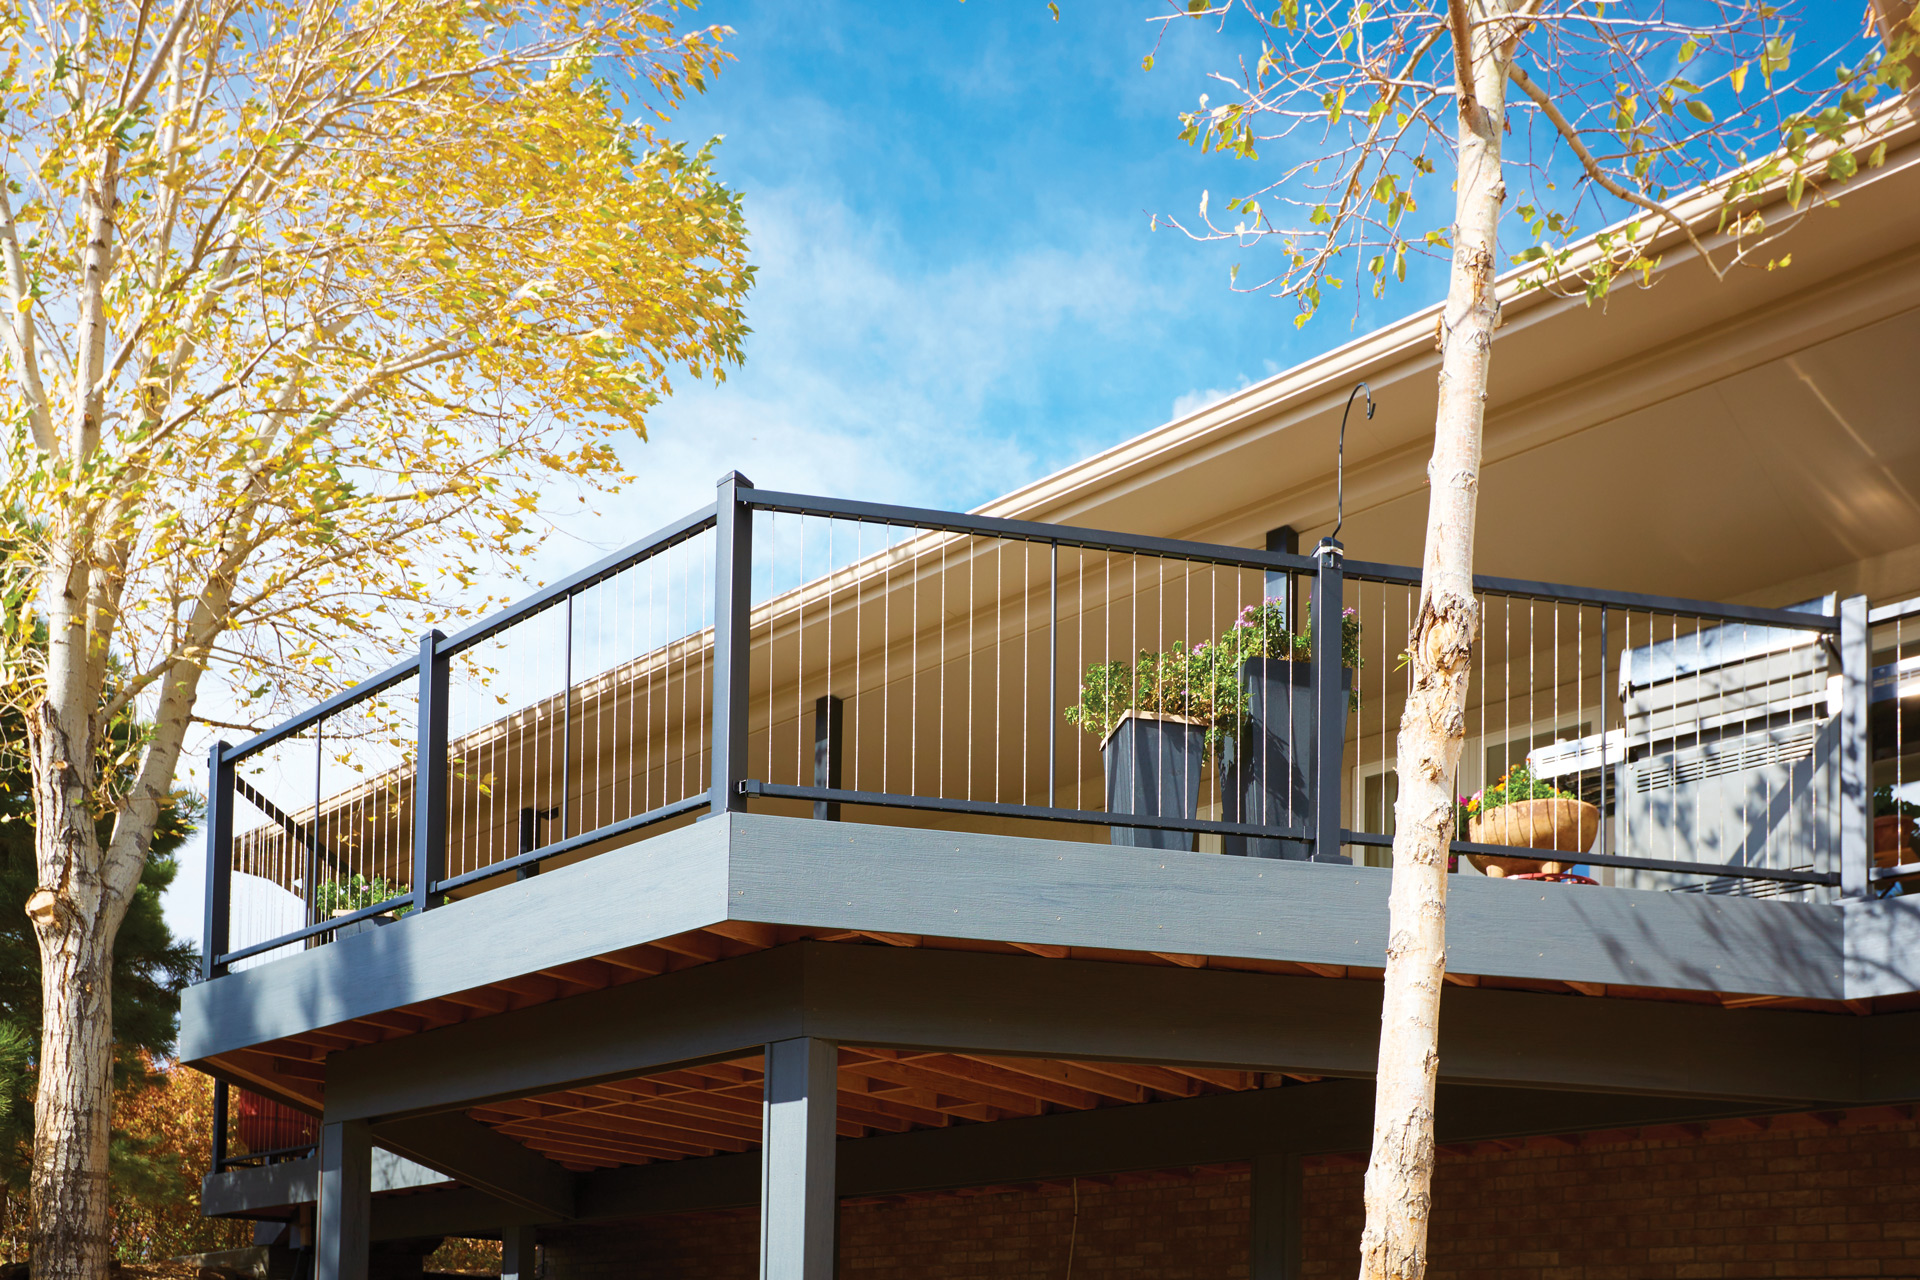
x=1534, y=824
x=1896, y=840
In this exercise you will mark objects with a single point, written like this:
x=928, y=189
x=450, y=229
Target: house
x=759, y=901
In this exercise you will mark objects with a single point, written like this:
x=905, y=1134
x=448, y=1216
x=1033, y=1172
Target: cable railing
x=836, y=660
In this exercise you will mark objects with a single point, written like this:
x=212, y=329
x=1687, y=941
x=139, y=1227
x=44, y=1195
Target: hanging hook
x=1340, y=459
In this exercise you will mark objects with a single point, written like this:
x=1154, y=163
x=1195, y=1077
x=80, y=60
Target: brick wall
x=1184, y=1225
x=1801, y=1197
x=1804, y=1197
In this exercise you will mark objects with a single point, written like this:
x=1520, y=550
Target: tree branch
x=1599, y=175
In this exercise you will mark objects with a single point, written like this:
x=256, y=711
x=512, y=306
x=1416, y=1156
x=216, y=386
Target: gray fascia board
x=1336, y=1116
x=792, y=871
x=294, y=1182
x=972, y=1002
x=1075, y=1009
x=480, y=1157
x=1883, y=947
x=277, y=1186
x=832, y=875
x=708, y=1012
x=666, y=885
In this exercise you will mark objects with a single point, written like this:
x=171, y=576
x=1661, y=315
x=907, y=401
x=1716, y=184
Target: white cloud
x=1193, y=401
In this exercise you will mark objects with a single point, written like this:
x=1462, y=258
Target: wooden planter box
x=1266, y=771
x=1534, y=824
x=1153, y=769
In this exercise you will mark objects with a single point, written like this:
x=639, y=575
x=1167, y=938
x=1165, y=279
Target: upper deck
x=787, y=719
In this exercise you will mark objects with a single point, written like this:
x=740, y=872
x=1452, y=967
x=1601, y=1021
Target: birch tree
x=305, y=305
x=1673, y=129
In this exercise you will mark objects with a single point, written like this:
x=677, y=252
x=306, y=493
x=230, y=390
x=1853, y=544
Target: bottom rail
x=1730, y=869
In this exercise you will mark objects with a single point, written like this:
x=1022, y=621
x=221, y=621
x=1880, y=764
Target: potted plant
x=1267, y=753
x=1526, y=812
x=1153, y=717
x=342, y=897
x=1896, y=832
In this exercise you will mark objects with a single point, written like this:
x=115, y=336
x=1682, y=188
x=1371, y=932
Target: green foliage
x=356, y=893
x=1202, y=683
x=1174, y=683
x=1516, y=785
x=1885, y=805
x=1616, y=113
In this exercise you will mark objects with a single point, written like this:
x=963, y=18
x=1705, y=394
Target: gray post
x=215, y=932
x=732, y=589
x=1330, y=700
x=1274, y=1249
x=1285, y=539
x=828, y=715
x=430, y=775
x=797, y=1206
x=1856, y=781
x=342, y=1235
x=517, y=1257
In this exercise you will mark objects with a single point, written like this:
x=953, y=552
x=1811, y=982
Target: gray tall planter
x=1264, y=770
x=1153, y=769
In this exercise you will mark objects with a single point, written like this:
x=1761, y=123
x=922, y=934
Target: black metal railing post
x=732, y=589
x=1330, y=701
x=430, y=775
x=219, y=1126
x=1856, y=784
x=216, y=934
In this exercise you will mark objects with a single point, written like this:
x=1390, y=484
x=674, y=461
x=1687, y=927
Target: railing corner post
x=430, y=775
x=1330, y=700
x=1856, y=782
x=732, y=591
x=216, y=934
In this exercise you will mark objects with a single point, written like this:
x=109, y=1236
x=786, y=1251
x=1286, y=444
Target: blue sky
x=958, y=288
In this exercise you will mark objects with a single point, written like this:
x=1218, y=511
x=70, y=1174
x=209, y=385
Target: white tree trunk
x=1400, y=1172
x=76, y=913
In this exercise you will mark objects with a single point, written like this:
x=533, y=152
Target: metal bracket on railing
x=1340, y=458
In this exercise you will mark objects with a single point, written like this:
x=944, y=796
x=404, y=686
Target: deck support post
x=1330, y=700
x=343, y=1234
x=1856, y=779
x=1275, y=1211
x=1274, y=1250
x=517, y=1257
x=829, y=714
x=797, y=1205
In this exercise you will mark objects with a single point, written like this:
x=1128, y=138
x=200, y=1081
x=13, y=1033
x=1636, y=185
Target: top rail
x=1893, y=612
x=321, y=710
x=659, y=540
x=1025, y=530
x=1373, y=571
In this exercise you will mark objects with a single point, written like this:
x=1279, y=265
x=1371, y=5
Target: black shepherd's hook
x=1340, y=463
